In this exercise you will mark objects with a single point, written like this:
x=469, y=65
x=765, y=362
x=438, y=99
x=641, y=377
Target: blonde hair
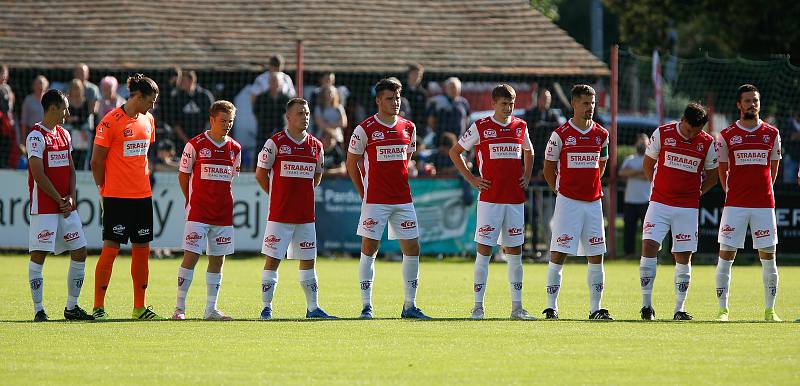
x=222, y=106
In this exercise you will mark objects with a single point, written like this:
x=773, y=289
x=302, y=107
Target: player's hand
x=480, y=183
x=65, y=206
x=524, y=181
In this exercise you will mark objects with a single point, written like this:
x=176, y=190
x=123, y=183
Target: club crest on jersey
x=765, y=138
x=377, y=135
x=485, y=230
x=737, y=139
x=285, y=149
x=127, y=132
x=670, y=142
x=597, y=141
x=205, y=153
x=571, y=141
x=369, y=223
x=519, y=132
x=700, y=147
x=489, y=133
x=271, y=240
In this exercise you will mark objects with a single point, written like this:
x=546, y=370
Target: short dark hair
x=416, y=67
x=391, y=84
x=695, y=115
x=503, y=91
x=142, y=84
x=166, y=145
x=295, y=101
x=276, y=61
x=580, y=90
x=745, y=88
x=54, y=97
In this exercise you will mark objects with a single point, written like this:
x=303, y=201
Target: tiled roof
x=447, y=36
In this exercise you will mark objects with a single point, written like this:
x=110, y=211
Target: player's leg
x=565, y=226
x=304, y=249
x=114, y=233
x=42, y=239
x=684, y=244
x=512, y=236
x=731, y=235
x=655, y=226
x=277, y=237
x=593, y=241
x=220, y=244
x=487, y=231
x=371, y=224
x=194, y=236
x=141, y=235
x=764, y=229
x=480, y=276
x=71, y=238
x=36, y=281
x=403, y=228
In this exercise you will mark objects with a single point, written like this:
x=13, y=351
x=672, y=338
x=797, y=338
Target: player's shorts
x=501, y=224
x=660, y=218
x=128, y=218
x=55, y=233
x=402, y=220
x=577, y=227
x=217, y=239
x=291, y=241
x=734, y=222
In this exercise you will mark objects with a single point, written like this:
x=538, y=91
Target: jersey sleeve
x=69, y=139
x=722, y=149
x=104, y=136
x=654, y=148
x=35, y=144
x=152, y=128
x=776, y=149
x=553, y=151
x=711, y=161
x=358, y=141
x=412, y=145
x=604, y=150
x=267, y=155
x=470, y=138
x=526, y=141
x=187, y=159
x=237, y=164
x=320, y=161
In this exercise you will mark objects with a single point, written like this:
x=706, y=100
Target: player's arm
x=185, y=170
x=318, y=172
x=603, y=158
x=551, y=155
x=711, y=179
x=773, y=169
x=550, y=174
x=98, y=163
x=317, y=179
x=651, y=155
x=722, y=175
x=262, y=177
x=183, y=180
x=72, y=200
x=36, y=166
x=458, y=161
x=775, y=158
x=353, y=171
x=649, y=167
x=527, y=160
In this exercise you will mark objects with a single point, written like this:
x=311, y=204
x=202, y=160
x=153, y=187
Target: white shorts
x=402, y=220
x=217, y=239
x=660, y=218
x=55, y=233
x=300, y=240
x=734, y=222
x=577, y=227
x=501, y=224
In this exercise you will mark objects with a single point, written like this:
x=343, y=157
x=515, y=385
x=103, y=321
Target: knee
x=78, y=255
x=557, y=257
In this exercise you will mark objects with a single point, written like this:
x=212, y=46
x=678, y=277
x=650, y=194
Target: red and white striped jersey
x=680, y=165
x=293, y=165
x=499, y=153
x=212, y=167
x=53, y=147
x=748, y=153
x=578, y=153
x=385, y=166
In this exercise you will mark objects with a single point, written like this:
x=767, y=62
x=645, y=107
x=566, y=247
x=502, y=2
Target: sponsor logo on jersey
x=57, y=159
x=759, y=233
x=727, y=230
x=489, y=133
x=670, y=142
x=216, y=172
x=308, y=245
x=564, y=240
x=391, y=152
x=71, y=236
x=681, y=162
x=571, y=141
x=736, y=139
x=205, y=153
x=505, y=151
x=271, y=240
x=193, y=238
x=369, y=223
x=45, y=236
x=485, y=230
x=127, y=132
x=222, y=240
x=118, y=229
x=514, y=231
x=136, y=147
x=408, y=224
x=648, y=227
x=751, y=157
x=297, y=169
x=376, y=135
x=285, y=149
x=683, y=237
x=596, y=240
x=765, y=138
x=583, y=160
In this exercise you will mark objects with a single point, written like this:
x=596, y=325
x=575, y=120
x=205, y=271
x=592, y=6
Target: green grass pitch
x=449, y=350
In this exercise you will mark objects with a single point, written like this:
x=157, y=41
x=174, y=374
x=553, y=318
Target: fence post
x=612, y=156
x=299, y=68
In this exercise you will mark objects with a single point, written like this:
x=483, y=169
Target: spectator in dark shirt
x=335, y=155
x=90, y=90
x=270, y=109
x=449, y=112
x=166, y=160
x=417, y=98
x=193, y=103
x=9, y=149
x=442, y=163
x=79, y=122
x=541, y=120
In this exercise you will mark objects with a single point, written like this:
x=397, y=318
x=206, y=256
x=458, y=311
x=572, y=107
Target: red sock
x=102, y=274
x=139, y=274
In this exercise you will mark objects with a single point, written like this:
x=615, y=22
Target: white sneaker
x=477, y=313
x=179, y=314
x=521, y=314
x=216, y=315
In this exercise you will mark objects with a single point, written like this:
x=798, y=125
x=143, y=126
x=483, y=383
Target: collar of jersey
x=579, y=130
x=501, y=123
x=305, y=136
x=760, y=122
x=384, y=123
x=208, y=137
x=43, y=127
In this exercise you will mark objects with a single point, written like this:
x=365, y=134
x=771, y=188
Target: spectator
x=261, y=84
x=329, y=115
x=417, y=97
x=442, y=163
x=79, y=121
x=91, y=91
x=449, y=112
x=791, y=143
x=32, y=111
x=193, y=103
x=270, y=110
x=335, y=154
x=9, y=145
x=167, y=104
x=542, y=119
x=637, y=192
x=166, y=160
x=110, y=99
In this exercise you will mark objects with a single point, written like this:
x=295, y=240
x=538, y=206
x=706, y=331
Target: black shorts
x=128, y=218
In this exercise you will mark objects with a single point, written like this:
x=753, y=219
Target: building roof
x=446, y=36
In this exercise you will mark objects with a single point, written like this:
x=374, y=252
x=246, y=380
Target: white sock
x=185, y=276
x=37, y=284
x=366, y=274
x=308, y=280
x=410, y=280
x=481, y=275
x=269, y=280
x=553, y=284
x=75, y=277
x=515, y=279
x=769, y=273
x=647, y=276
x=723, y=281
x=683, y=276
x=595, y=278
x=213, y=282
